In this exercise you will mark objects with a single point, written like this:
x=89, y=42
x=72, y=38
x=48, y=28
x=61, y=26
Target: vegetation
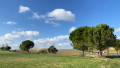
x=26, y=45
x=52, y=49
x=5, y=48
x=43, y=51
x=79, y=38
x=117, y=45
x=98, y=37
x=28, y=60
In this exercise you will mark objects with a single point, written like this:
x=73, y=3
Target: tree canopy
x=97, y=37
x=26, y=45
x=79, y=38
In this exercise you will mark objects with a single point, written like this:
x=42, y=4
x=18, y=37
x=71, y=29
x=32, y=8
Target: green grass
x=113, y=63
x=21, y=60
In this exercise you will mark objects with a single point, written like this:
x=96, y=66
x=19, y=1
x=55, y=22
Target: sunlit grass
x=21, y=60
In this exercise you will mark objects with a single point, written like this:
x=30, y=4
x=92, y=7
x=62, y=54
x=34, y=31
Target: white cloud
x=55, y=15
x=10, y=22
x=27, y=33
x=52, y=22
x=117, y=30
x=62, y=14
x=23, y=9
x=118, y=37
x=36, y=16
x=63, y=44
x=9, y=39
x=9, y=36
x=51, y=41
x=12, y=38
x=72, y=29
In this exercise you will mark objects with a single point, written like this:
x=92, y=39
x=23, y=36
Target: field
x=65, y=58
x=21, y=60
x=112, y=51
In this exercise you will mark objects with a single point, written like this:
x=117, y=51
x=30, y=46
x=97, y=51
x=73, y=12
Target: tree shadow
x=112, y=56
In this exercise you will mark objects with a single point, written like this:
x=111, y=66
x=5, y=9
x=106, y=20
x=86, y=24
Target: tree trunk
x=88, y=50
x=107, y=51
x=117, y=52
x=27, y=50
x=100, y=52
x=83, y=52
x=92, y=50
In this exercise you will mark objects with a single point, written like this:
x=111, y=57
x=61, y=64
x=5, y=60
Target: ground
x=65, y=58
x=21, y=60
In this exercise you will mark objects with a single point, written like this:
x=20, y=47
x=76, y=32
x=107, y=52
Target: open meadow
x=29, y=60
x=22, y=60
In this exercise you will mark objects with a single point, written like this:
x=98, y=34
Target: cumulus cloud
x=63, y=44
x=27, y=33
x=11, y=38
x=51, y=40
x=23, y=9
x=55, y=15
x=72, y=29
x=52, y=22
x=117, y=30
x=10, y=22
x=58, y=41
x=37, y=16
x=62, y=14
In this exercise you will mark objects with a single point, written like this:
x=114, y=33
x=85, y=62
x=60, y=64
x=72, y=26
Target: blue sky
x=48, y=22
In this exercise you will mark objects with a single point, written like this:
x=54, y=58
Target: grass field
x=21, y=60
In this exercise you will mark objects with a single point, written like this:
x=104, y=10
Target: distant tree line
x=100, y=37
x=5, y=48
x=27, y=44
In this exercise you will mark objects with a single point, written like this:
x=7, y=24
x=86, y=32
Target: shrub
x=52, y=49
x=43, y=51
x=6, y=48
x=26, y=45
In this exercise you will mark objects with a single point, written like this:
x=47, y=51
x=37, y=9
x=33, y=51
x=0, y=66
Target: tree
x=7, y=48
x=26, y=45
x=52, y=49
x=117, y=45
x=90, y=39
x=79, y=38
x=110, y=43
x=102, y=34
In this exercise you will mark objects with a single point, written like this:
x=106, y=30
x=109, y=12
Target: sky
x=49, y=22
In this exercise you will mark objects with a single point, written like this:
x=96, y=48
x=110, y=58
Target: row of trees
x=100, y=37
x=5, y=48
x=27, y=44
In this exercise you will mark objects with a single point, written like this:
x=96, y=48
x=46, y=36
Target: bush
x=43, y=51
x=26, y=45
x=52, y=49
x=7, y=48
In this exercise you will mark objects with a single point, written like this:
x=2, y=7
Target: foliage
x=22, y=60
x=26, y=45
x=117, y=45
x=103, y=34
x=6, y=48
x=43, y=51
x=79, y=38
x=52, y=49
x=98, y=37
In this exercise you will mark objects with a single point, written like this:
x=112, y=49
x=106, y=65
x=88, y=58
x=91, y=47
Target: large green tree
x=117, y=45
x=79, y=38
x=90, y=45
x=26, y=45
x=102, y=35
